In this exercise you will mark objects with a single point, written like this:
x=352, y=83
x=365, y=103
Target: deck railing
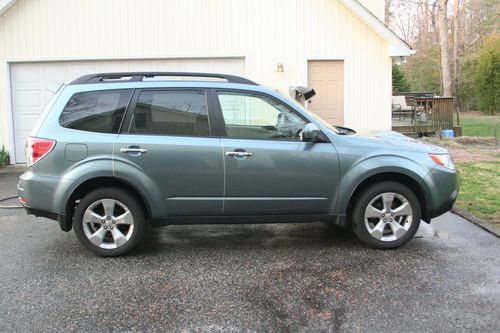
x=432, y=114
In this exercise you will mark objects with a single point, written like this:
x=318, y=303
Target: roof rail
x=139, y=76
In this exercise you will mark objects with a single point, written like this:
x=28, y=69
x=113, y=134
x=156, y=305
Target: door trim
x=337, y=219
x=9, y=107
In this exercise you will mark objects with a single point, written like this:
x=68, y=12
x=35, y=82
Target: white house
x=341, y=48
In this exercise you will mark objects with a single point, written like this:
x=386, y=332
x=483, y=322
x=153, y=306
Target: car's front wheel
x=109, y=221
x=386, y=215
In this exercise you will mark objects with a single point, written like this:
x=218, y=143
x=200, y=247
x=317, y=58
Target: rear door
x=167, y=139
x=269, y=170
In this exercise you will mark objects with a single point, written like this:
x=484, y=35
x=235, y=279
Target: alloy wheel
x=388, y=216
x=108, y=223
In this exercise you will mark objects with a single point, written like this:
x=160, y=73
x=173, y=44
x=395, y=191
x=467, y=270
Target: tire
x=376, y=225
x=109, y=222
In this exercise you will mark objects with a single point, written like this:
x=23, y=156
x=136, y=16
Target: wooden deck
x=431, y=115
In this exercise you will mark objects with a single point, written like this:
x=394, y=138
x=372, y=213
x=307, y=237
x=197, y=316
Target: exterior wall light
x=279, y=68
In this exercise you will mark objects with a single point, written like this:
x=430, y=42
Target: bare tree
x=456, y=41
x=387, y=17
x=445, y=48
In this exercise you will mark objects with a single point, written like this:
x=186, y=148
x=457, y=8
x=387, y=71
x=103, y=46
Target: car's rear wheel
x=109, y=221
x=386, y=215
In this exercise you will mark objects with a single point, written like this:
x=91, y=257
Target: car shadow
x=249, y=236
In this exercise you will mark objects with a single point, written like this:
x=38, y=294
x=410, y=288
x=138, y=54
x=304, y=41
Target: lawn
x=478, y=162
x=480, y=189
x=478, y=124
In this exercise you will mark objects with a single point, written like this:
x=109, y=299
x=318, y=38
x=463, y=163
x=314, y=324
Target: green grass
x=476, y=124
x=480, y=189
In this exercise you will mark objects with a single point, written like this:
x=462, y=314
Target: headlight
x=444, y=160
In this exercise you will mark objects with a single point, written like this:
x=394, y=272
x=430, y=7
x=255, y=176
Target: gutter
x=5, y=5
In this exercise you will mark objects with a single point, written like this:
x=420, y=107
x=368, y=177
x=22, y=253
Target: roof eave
x=5, y=4
x=396, y=51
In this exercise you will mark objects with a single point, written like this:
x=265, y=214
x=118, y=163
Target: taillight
x=37, y=148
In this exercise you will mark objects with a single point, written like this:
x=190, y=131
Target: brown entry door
x=326, y=77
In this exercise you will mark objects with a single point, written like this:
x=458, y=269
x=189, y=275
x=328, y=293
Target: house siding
x=265, y=32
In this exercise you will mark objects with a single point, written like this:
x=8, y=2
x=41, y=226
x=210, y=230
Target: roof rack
x=139, y=76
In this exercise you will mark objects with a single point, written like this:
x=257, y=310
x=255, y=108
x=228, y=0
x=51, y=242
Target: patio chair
x=401, y=105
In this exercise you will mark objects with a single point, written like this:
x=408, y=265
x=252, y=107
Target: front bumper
x=443, y=192
x=446, y=205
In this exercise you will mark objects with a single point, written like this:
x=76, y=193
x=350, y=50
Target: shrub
x=399, y=81
x=487, y=76
x=4, y=154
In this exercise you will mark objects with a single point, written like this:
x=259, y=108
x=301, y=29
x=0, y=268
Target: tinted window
x=171, y=112
x=258, y=117
x=96, y=111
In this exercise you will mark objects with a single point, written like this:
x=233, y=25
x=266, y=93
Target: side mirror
x=310, y=133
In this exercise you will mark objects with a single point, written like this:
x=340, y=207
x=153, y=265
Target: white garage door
x=29, y=82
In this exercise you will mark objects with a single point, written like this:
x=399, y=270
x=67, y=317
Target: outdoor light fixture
x=279, y=68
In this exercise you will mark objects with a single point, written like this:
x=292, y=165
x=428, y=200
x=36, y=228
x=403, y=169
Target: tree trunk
x=387, y=17
x=456, y=27
x=445, y=48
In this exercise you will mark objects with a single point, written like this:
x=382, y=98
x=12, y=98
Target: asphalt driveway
x=276, y=278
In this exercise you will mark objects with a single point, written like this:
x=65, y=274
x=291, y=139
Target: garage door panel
x=27, y=98
x=114, y=67
x=29, y=82
x=26, y=73
x=26, y=123
x=142, y=67
x=56, y=72
x=170, y=66
x=80, y=69
x=196, y=66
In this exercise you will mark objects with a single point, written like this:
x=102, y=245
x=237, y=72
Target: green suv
x=114, y=152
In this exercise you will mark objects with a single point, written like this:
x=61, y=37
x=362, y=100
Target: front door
x=269, y=170
x=326, y=77
x=168, y=141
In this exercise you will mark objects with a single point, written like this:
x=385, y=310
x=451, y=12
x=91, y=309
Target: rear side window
x=171, y=112
x=96, y=111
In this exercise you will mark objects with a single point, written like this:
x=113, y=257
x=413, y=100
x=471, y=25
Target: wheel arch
x=398, y=177
x=99, y=182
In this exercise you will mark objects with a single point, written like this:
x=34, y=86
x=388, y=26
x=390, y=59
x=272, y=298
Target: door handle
x=133, y=150
x=238, y=154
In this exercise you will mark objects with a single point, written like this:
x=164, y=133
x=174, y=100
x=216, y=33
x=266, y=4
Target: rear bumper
x=41, y=213
x=65, y=223
x=38, y=194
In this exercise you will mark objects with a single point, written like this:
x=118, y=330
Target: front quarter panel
x=358, y=164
